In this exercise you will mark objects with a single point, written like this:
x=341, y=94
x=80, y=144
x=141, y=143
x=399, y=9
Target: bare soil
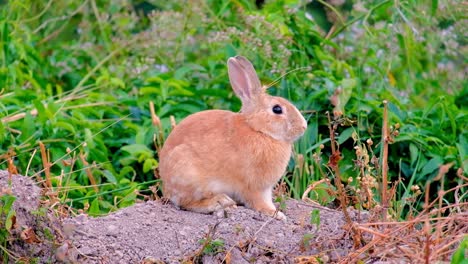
x=154, y=232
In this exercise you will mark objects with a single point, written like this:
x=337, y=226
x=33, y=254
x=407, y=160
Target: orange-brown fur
x=214, y=159
x=221, y=153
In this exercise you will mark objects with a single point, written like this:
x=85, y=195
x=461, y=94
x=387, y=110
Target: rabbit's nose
x=304, y=125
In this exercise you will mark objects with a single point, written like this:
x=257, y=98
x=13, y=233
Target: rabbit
x=216, y=159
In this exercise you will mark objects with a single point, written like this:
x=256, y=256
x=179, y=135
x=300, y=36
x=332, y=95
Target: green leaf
x=149, y=90
x=138, y=151
x=149, y=165
x=127, y=170
x=189, y=67
x=6, y=209
x=6, y=203
x=315, y=217
x=414, y=153
x=117, y=82
x=2, y=132
x=109, y=176
x=431, y=166
x=230, y=50
x=459, y=256
x=434, y=5
x=105, y=205
x=66, y=125
x=136, y=148
x=9, y=219
x=342, y=98
x=185, y=107
x=462, y=147
x=28, y=128
x=178, y=90
x=89, y=138
x=94, y=208
x=155, y=79
x=345, y=135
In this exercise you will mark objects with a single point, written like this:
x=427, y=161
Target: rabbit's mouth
x=289, y=135
x=297, y=135
x=291, y=132
x=297, y=130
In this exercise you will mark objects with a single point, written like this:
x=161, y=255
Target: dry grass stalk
x=385, y=142
x=89, y=173
x=173, y=122
x=311, y=187
x=407, y=240
x=19, y=116
x=46, y=164
x=426, y=238
x=8, y=157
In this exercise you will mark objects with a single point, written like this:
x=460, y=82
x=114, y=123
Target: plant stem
x=385, y=141
x=333, y=163
x=46, y=163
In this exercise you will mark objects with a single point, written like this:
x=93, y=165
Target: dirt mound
x=156, y=232
x=161, y=232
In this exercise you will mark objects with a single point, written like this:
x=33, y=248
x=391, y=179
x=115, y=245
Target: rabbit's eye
x=277, y=109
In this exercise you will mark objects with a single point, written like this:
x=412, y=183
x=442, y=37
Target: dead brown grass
x=425, y=237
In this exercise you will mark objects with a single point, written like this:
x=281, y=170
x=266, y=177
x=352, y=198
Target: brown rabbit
x=214, y=159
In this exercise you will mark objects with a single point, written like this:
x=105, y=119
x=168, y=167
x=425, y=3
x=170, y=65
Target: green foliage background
x=79, y=75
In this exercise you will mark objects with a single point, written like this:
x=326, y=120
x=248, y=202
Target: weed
x=305, y=243
x=7, y=221
x=212, y=247
x=315, y=217
x=209, y=245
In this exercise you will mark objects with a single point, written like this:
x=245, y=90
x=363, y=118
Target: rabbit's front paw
x=280, y=216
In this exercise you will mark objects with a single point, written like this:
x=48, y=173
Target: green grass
x=78, y=76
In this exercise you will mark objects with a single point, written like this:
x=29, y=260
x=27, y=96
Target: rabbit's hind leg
x=209, y=205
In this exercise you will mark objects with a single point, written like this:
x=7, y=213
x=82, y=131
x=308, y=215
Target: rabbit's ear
x=244, y=79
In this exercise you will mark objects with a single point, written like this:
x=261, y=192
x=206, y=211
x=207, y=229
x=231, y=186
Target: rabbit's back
x=199, y=128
